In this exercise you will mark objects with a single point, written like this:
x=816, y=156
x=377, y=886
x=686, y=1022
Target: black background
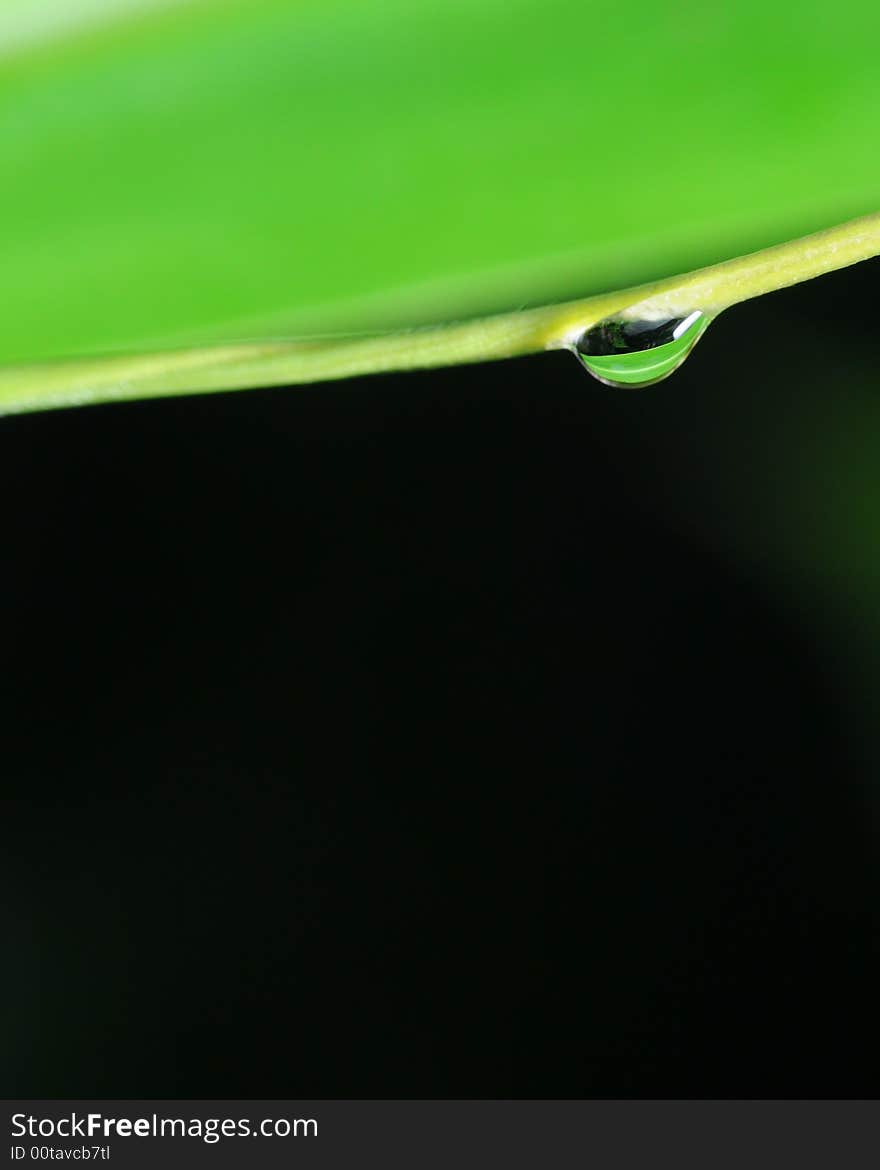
x=426, y=735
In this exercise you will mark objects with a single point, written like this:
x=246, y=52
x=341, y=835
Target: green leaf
x=176, y=175
x=112, y=378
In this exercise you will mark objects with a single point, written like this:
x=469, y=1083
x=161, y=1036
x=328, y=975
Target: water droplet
x=620, y=352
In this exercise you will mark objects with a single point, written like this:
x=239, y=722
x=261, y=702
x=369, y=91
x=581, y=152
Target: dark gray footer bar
x=426, y=1134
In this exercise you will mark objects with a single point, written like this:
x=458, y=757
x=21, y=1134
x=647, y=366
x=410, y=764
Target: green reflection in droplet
x=620, y=352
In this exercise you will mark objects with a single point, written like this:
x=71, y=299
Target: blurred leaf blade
x=213, y=172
